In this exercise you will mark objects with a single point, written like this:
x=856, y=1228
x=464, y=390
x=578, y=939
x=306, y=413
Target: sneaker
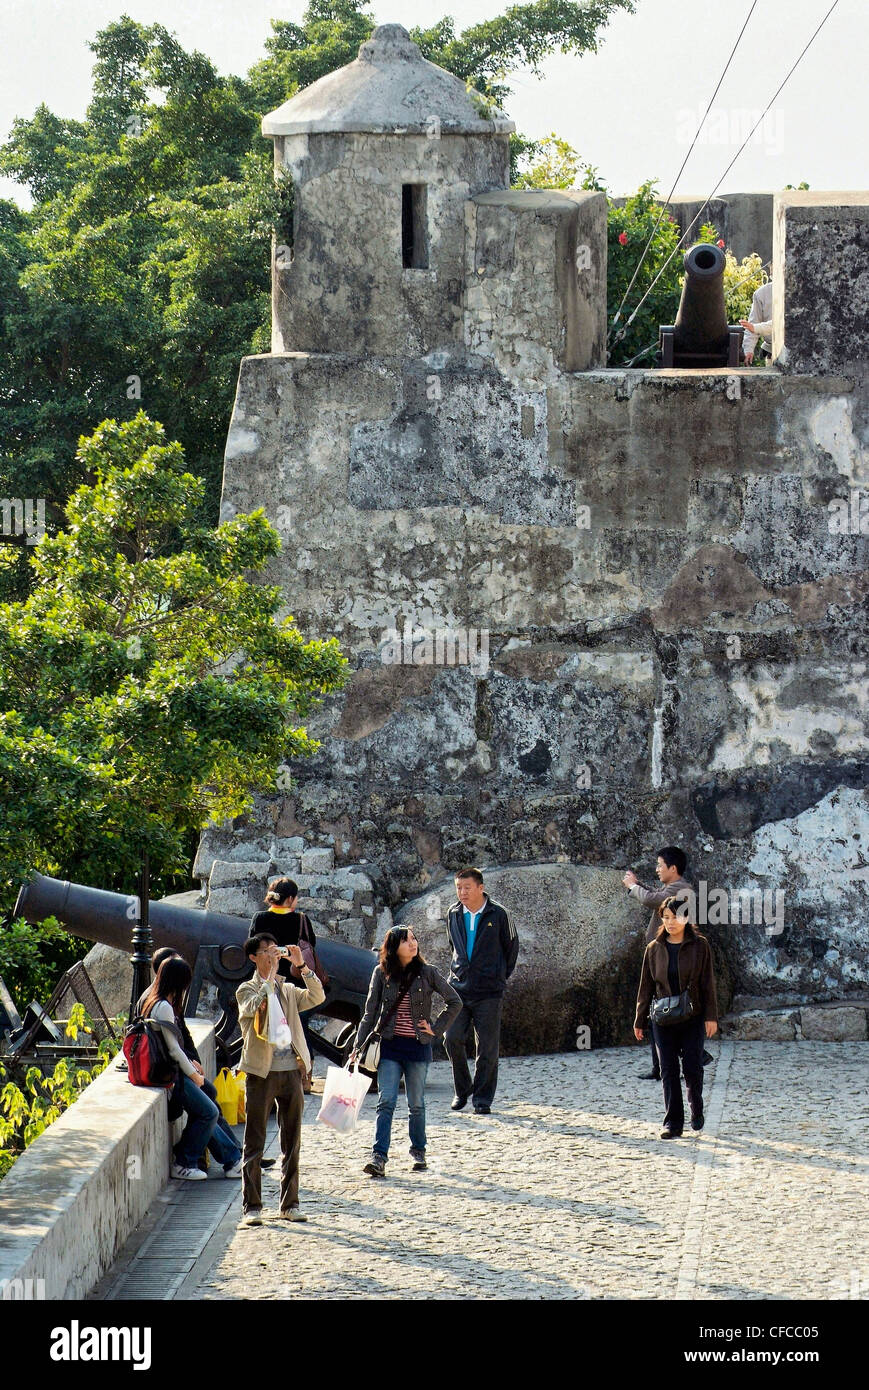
x=234, y=1171
x=671, y=1133
x=458, y=1102
x=698, y=1120
x=191, y=1174
x=481, y=1110
x=376, y=1166
x=419, y=1163
x=254, y=1217
x=267, y=1162
x=291, y=1214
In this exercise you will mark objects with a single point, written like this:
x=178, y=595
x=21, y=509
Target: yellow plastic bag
x=227, y=1095
x=242, y=1107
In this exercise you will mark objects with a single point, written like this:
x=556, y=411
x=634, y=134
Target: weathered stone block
x=842, y=1023
x=759, y=1026
x=226, y=872
x=821, y=279
x=510, y=235
x=286, y=848
x=238, y=901
x=318, y=861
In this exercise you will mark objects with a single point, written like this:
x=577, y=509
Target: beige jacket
x=653, y=897
x=256, y=1055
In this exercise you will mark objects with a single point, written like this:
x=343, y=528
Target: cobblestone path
x=564, y=1192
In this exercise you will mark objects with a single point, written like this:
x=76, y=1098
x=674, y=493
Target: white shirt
x=760, y=316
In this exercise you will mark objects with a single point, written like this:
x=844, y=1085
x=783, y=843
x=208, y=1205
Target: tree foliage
x=145, y=685
x=141, y=275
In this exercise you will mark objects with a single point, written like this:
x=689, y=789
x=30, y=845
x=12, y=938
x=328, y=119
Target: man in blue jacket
x=485, y=948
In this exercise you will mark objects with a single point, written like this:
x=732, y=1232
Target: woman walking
x=400, y=1000
x=164, y=1005
x=677, y=967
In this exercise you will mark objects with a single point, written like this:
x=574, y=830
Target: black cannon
x=701, y=335
x=211, y=943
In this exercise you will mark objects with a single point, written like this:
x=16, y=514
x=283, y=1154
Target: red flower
x=720, y=243
x=623, y=238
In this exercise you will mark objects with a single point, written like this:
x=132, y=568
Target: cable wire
x=682, y=166
x=786, y=79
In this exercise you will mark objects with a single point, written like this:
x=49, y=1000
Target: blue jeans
x=202, y=1116
x=389, y=1075
x=223, y=1144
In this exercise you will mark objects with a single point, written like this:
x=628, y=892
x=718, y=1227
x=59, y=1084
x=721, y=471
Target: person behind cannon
x=485, y=951
x=163, y=1004
x=677, y=966
x=222, y=1145
x=670, y=869
x=287, y=924
x=273, y=1073
x=399, y=1009
x=759, y=321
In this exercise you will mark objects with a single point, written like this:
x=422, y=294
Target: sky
x=631, y=109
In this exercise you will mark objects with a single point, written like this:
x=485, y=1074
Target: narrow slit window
x=414, y=240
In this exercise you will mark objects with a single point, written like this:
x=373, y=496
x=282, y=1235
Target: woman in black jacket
x=400, y=999
x=679, y=960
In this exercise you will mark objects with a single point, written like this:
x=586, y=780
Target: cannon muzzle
x=701, y=335
x=210, y=942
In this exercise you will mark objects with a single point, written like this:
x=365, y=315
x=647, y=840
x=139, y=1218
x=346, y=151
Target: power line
x=682, y=166
x=726, y=172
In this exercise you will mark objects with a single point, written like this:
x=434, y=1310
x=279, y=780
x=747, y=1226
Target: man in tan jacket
x=273, y=1072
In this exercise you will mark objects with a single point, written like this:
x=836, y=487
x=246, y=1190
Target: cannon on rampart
x=701, y=335
x=211, y=943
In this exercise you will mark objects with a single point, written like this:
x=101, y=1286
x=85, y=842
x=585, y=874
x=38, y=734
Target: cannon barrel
x=109, y=917
x=701, y=335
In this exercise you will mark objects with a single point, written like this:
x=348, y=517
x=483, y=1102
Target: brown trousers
x=285, y=1087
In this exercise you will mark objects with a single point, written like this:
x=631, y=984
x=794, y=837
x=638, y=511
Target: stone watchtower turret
x=384, y=154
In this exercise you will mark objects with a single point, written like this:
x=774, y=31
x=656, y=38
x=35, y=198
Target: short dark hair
x=254, y=943
x=162, y=953
x=281, y=889
x=471, y=873
x=674, y=858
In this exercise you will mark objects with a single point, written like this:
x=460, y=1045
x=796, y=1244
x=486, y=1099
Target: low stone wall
x=74, y=1196
x=843, y=1020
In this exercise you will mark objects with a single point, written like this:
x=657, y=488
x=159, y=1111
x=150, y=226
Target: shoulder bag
x=309, y=955
x=369, y=1057
x=673, y=1008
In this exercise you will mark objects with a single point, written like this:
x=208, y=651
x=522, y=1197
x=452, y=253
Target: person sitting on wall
x=759, y=322
x=670, y=868
x=225, y=1142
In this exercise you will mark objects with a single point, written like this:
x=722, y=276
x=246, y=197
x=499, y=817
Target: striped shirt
x=404, y=1025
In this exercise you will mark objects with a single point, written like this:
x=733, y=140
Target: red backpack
x=148, y=1059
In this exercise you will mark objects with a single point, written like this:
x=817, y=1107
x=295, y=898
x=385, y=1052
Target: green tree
x=145, y=685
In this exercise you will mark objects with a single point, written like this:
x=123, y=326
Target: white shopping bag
x=279, y=1030
x=343, y=1094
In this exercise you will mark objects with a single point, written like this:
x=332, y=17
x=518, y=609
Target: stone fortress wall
x=665, y=599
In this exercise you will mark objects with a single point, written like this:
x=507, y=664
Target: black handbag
x=673, y=1008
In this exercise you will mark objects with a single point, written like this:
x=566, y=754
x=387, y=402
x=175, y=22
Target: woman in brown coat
x=679, y=959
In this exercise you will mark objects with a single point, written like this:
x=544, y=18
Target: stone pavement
x=565, y=1192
